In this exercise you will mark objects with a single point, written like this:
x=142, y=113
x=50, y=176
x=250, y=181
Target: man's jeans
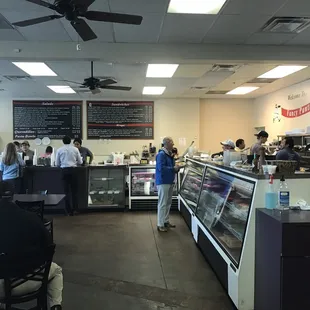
x=165, y=192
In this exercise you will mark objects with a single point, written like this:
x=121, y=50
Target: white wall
x=177, y=118
x=264, y=109
x=222, y=119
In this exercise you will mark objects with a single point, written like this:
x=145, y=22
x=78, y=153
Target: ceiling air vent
x=286, y=24
x=217, y=92
x=15, y=78
x=198, y=88
x=261, y=81
x=225, y=68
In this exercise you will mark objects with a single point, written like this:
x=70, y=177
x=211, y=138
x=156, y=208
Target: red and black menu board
x=53, y=119
x=129, y=120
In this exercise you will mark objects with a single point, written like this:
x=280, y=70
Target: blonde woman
x=10, y=167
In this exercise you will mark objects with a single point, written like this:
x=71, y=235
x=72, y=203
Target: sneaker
x=56, y=307
x=169, y=225
x=162, y=229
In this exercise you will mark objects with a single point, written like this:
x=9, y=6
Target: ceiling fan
x=95, y=84
x=73, y=10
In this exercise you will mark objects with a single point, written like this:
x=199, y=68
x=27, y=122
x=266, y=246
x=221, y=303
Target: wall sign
x=129, y=120
x=53, y=119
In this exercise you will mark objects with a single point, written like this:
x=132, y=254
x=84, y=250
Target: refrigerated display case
x=143, y=193
x=106, y=187
x=223, y=221
x=223, y=209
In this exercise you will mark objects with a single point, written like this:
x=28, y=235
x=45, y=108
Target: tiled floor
x=120, y=261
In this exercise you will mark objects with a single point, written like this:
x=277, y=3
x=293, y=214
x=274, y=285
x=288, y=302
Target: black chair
x=37, y=207
x=15, y=270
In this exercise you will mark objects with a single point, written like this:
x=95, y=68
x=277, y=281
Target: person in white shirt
x=67, y=158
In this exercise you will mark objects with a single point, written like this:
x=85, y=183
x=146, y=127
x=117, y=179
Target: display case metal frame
x=147, y=202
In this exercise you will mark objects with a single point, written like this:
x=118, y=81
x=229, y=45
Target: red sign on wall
x=296, y=112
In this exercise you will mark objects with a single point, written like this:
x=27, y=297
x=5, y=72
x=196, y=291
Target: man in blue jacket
x=165, y=178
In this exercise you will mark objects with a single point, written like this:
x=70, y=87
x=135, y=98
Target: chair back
x=36, y=207
x=18, y=268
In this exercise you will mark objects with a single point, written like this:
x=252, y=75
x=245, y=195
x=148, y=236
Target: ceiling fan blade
x=70, y=82
x=107, y=82
x=95, y=91
x=35, y=21
x=125, y=88
x=113, y=17
x=43, y=3
x=84, y=31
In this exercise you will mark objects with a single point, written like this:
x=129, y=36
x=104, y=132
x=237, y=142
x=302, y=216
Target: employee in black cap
x=262, y=138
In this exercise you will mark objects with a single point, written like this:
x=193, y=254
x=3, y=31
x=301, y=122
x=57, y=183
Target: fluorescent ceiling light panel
x=35, y=68
x=242, y=90
x=161, y=71
x=195, y=6
x=153, y=90
x=61, y=89
x=281, y=71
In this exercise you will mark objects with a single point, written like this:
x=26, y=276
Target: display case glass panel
x=223, y=208
x=106, y=187
x=191, y=185
x=143, y=182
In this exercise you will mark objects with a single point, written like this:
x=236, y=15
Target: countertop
x=288, y=216
x=250, y=174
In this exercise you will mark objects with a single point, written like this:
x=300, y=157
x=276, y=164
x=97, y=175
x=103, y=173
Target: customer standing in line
x=67, y=158
x=10, y=167
x=165, y=179
x=84, y=151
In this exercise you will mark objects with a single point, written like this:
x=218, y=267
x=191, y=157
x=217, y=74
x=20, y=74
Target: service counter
x=218, y=204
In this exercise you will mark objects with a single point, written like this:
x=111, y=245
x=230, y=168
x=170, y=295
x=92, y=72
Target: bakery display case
x=218, y=204
x=143, y=193
x=106, y=187
x=223, y=208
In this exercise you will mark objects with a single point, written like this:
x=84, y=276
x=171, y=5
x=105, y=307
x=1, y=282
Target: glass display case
x=191, y=184
x=143, y=192
x=223, y=208
x=106, y=187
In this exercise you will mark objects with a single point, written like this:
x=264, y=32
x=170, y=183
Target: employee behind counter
x=84, y=151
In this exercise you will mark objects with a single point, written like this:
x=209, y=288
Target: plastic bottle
x=271, y=195
x=283, y=195
x=35, y=158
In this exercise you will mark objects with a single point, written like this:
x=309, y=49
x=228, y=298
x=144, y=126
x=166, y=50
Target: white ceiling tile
x=147, y=32
x=211, y=79
x=266, y=7
x=302, y=38
x=191, y=71
x=229, y=27
x=295, y=8
x=185, y=28
x=10, y=35
x=269, y=38
x=22, y=5
x=139, y=6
